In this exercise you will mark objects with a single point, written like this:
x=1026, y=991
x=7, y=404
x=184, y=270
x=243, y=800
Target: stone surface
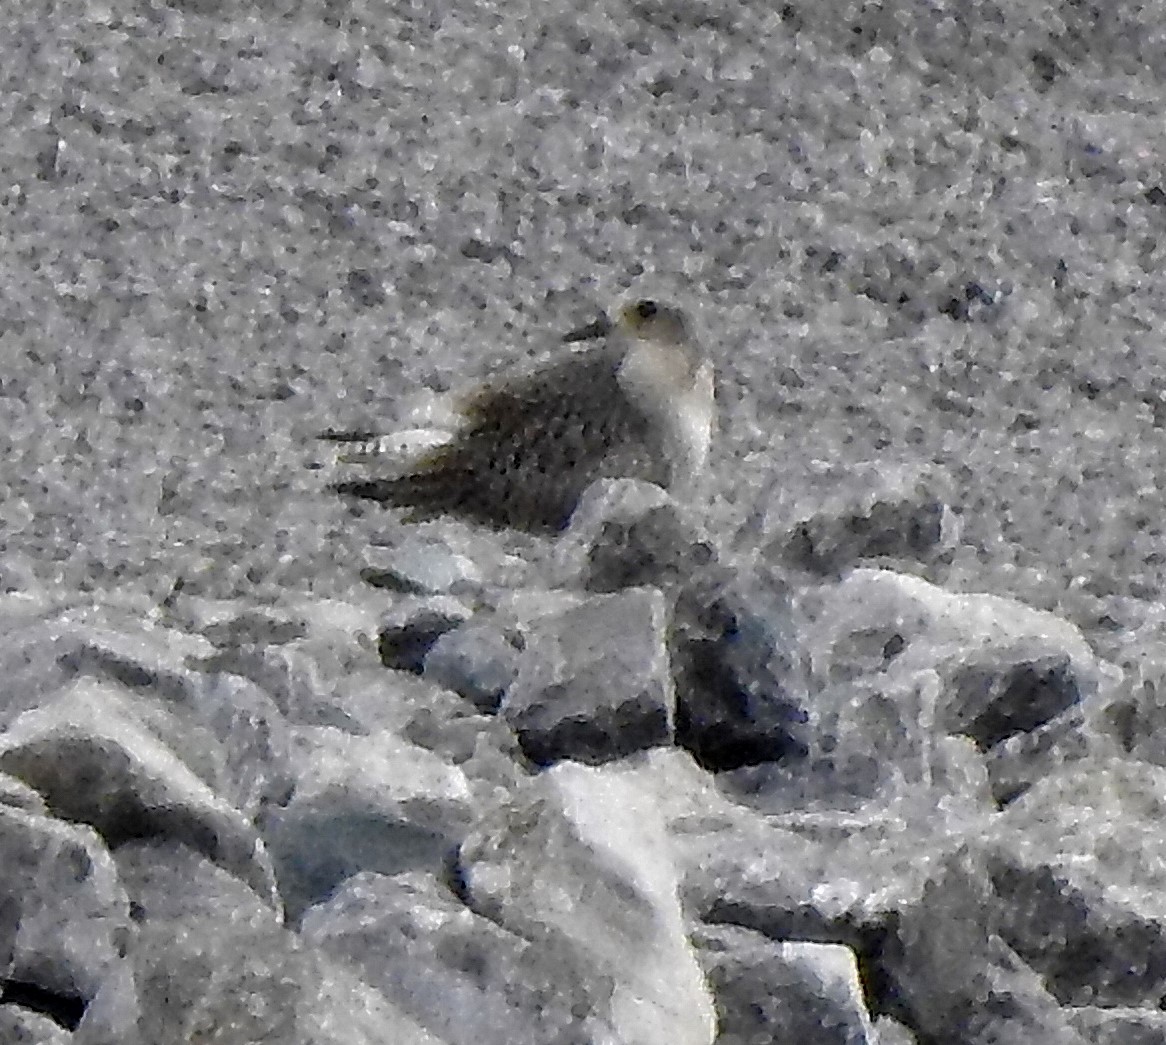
x=580, y=863
x=593, y=681
x=872, y=515
x=362, y=803
x=738, y=664
x=478, y=660
x=771, y=991
x=1079, y=868
x=64, y=915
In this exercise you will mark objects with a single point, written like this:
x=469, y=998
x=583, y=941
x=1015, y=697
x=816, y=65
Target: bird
x=640, y=404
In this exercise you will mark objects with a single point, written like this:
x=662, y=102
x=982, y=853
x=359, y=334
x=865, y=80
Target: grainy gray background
x=916, y=235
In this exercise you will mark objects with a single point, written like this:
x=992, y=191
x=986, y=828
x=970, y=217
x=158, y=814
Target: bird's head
x=650, y=320
x=660, y=329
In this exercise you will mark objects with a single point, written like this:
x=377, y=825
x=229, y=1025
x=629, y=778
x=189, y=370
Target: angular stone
x=362, y=803
x=871, y=515
x=1115, y=1026
x=211, y=960
x=465, y=979
x=1006, y=671
x=478, y=660
x=1079, y=862
x=580, y=863
x=423, y=564
x=740, y=681
x=626, y=533
x=95, y=762
x=769, y=990
x=960, y=981
x=594, y=682
x=21, y=1026
x=411, y=629
x=64, y=916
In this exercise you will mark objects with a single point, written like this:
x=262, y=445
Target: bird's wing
x=565, y=419
x=530, y=447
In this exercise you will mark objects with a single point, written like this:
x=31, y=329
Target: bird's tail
x=425, y=494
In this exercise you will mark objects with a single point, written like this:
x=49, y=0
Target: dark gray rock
x=626, y=534
x=411, y=629
x=362, y=803
x=740, y=680
x=865, y=515
x=1008, y=693
x=771, y=991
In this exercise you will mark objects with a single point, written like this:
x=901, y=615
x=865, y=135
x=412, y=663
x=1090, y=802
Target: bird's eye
x=646, y=309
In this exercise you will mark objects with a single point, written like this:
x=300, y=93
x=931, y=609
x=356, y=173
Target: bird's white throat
x=659, y=380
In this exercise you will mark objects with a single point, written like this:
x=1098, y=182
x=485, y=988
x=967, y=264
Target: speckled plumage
x=532, y=445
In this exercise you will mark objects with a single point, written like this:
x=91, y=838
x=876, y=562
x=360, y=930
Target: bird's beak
x=600, y=328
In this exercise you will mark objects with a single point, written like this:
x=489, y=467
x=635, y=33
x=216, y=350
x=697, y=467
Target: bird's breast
x=677, y=401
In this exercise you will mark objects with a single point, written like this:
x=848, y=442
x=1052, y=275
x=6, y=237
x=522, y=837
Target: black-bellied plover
x=640, y=405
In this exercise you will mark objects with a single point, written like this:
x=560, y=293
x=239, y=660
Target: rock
x=1119, y=1026
x=411, y=629
x=1006, y=671
x=580, y=863
x=740, y=682
x=766, y=990
x=1078, y=862
x=362, y=803
x=994, y=996
x=626, y=533
x=211, y=959
x=95, y=762
x=477, y=660
x=64, y=916
x=896, y=516
x=463, y=978
x=22, y=1026
x=594, y=682
x=421, y=564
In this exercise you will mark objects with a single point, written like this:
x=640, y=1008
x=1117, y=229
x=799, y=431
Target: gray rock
x=362, y=803
x=210, y=959
x=1078, y=862
x=412, y=627
x=95, y=761
x=867, y=514
x=740, y=680
x=478, y=660
x=465, y=979
x=64, y=916
x=1006, y=693
x=958, y=978
x=579, y=863
x=1113, y=1026
x=594, y=682
x=21, y=1026
x=626, y=533
x=1005, y=671
x=770, y=991
x=423, y=564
